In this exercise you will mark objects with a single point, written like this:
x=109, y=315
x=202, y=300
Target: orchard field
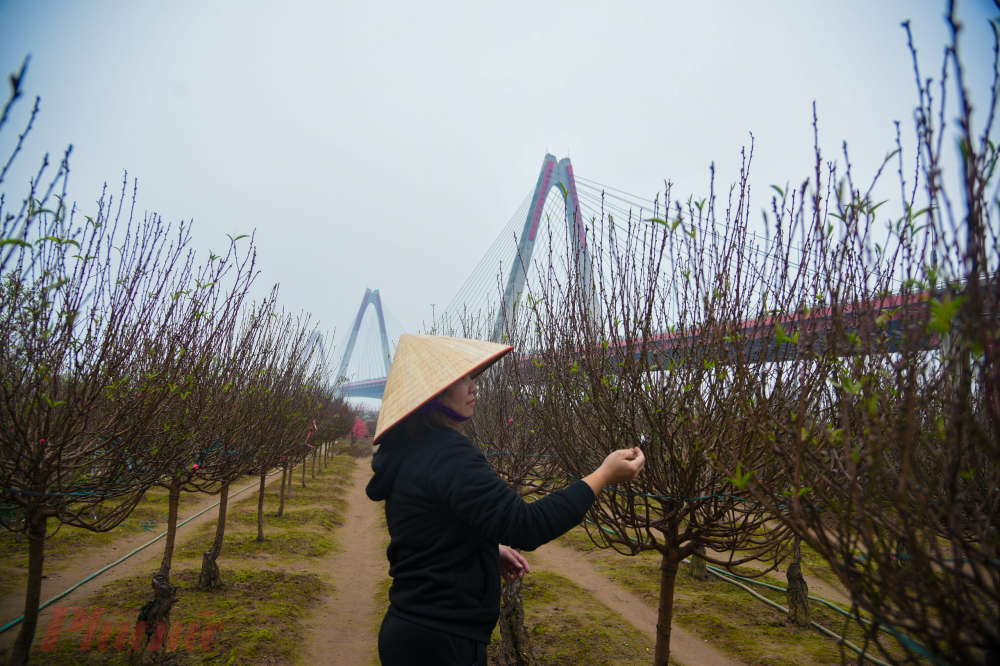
x=317, y=586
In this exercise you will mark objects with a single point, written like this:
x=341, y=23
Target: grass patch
x=278, y=545
x=569, y=627
x=723, y=614
x=259, y=615
x=327, y=517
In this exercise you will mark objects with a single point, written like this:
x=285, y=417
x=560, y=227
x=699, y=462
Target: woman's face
x=461, y=396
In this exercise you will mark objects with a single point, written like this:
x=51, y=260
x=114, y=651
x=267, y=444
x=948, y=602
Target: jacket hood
x=386, y=464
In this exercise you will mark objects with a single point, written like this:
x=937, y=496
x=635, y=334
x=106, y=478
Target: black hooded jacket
x=447, y=513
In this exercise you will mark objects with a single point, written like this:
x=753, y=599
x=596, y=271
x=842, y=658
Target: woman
x=448, y=513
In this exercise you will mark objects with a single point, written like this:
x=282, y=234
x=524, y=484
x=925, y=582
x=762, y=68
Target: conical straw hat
x=424, y=366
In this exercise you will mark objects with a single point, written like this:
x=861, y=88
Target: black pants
x=402, y=643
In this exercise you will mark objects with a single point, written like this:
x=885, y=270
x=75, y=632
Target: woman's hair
x=417, y=425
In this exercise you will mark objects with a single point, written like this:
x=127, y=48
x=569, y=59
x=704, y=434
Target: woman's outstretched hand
x=513, y=566
x=619, y=467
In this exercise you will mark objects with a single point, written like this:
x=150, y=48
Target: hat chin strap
x=438, y=406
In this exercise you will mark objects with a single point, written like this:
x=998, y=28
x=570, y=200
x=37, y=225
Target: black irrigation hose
x=837, y=637
x=62, y=594
x=895, y=633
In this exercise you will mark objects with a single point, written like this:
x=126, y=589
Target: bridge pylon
x=316, y=340
x=553, y=173
x=371, y=298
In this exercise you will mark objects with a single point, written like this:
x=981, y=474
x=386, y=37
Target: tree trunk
x=168, y=550
x=798, y=591
x=153, y=621
x=33, y=596
x=315, y=453
x=154, y=618
x=304, y=465
x=260, y=507
x=905, y=566
x=515, y=647
x=209, y=578
x=281, y=494
x=665, y=615
x=699, y=567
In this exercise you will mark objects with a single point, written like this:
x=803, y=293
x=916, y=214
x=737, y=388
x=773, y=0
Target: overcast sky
x=385, y=145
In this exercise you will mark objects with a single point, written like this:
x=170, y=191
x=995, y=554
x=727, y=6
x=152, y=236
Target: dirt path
x=340, y=630
x=12, y=604
x=684, y=646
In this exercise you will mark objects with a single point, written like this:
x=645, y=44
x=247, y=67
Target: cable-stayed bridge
x=367, y=370
x=552, y=220
x=556, y=215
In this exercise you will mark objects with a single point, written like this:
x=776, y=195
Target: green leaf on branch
x=59, y=241
x=782, y=337
x=943, y=313
x=52, y=403
x=848, y=384
x=741, y=480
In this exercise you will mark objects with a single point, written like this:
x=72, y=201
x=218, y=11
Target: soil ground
x=342, y=624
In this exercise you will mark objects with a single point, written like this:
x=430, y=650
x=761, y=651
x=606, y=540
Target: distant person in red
x=453, y=523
